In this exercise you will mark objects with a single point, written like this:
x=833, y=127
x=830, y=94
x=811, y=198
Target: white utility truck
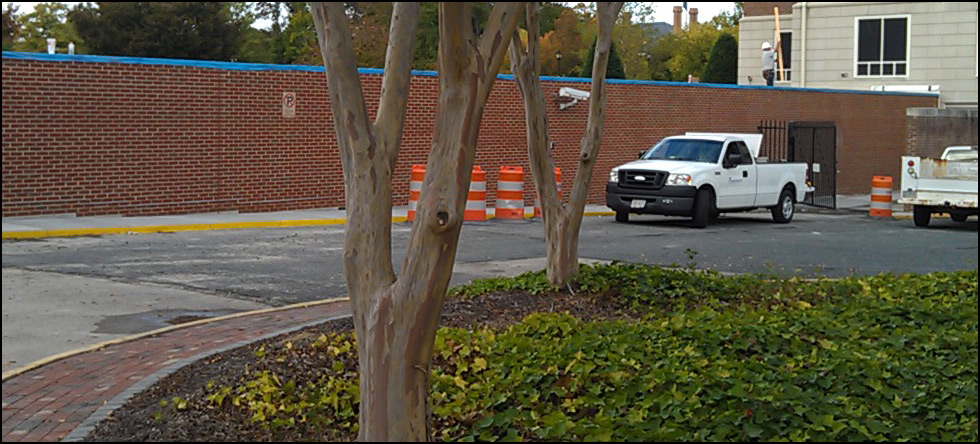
x=944, y=185
x=701, y=175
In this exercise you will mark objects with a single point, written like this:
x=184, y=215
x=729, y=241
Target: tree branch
x=343, y=81
x=494, y=41
x=455, y=41
x=533, y=12
x=397, y=78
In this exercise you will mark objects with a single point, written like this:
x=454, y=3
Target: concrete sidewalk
x=64, y=398
x=69, y=225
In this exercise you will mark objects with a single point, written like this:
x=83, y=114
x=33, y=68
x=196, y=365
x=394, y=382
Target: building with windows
x=928, y=47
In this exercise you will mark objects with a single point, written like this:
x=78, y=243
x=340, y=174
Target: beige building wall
x=942, y=48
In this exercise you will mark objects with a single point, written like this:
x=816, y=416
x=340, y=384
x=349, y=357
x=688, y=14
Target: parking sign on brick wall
x=288, y=105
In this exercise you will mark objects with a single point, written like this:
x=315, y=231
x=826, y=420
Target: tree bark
x=396, y=319
x=561, y=224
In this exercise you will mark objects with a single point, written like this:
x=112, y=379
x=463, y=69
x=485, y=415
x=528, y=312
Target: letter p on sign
x=288, y=105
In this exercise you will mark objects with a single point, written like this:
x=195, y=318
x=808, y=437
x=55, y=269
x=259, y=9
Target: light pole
x=558, y=56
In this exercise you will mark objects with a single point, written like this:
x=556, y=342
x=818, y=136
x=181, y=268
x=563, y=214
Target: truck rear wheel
x=783, y=212
x=959, y=217
x=704, y=205
x=921, y=215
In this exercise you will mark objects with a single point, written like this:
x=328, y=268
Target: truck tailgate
x=939, y=182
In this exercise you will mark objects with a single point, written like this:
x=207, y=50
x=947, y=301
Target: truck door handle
x=745, y=174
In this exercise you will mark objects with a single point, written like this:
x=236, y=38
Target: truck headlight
x=614, y=176
x=679, y=179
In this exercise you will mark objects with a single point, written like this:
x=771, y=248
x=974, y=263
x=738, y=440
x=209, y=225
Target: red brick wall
x=96, y=138
x=766, y=8
x=931, y=130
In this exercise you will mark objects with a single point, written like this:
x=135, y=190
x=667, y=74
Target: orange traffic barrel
x=881, y=197
x=414, y=188
x=510, y=194
x=476, y=201
x=537, y=200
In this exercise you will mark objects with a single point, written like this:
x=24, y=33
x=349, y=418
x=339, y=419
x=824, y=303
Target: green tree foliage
x=615, y=68
x=633, y=42
x=723, y=64
x=269, y=45
x=632, y=39
x=10, y=26
x=46, y=21
x=550, y=12
x=188, y=30
x=565, y=37
x=675, y=56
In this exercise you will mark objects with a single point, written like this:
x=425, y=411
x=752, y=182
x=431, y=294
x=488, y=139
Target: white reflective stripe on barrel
x=510, y=204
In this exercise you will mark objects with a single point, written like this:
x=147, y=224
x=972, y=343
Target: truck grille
x=648, y=180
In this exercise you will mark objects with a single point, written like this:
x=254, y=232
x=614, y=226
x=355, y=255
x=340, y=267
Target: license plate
x=638, y=204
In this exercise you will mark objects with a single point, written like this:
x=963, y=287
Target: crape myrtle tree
x=395, y=318
x=561, y=224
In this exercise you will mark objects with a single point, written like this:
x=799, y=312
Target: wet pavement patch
x=155, y=319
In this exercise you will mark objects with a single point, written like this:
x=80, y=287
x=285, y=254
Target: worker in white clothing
x=768, y=63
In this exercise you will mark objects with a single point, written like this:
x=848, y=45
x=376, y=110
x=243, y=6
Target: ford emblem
x=641, y=178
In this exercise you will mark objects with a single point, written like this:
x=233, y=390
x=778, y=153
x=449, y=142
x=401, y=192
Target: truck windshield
x=685, y=149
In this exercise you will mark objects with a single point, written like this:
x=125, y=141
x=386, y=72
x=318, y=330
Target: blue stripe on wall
x=235, y=66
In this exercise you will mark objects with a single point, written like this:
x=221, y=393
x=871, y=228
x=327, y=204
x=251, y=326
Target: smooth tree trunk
x=562, y=224
x=396, y=319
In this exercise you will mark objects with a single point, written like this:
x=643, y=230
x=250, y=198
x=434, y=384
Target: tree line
x=227, y=31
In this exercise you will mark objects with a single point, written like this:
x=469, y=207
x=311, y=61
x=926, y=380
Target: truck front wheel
x=704, y=205
x=622, y=216
x=921, y=215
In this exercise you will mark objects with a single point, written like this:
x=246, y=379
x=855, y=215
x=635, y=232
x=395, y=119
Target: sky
x=663, y=11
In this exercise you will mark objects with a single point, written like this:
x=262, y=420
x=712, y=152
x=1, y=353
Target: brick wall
x=766, y=8
x=931, y=130
x=90, y=136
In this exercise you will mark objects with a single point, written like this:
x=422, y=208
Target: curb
x=70, y=232
x=174, y=228
x=48, y=360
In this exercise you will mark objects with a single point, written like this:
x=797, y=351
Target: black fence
x=813, y=143
x=775, y=140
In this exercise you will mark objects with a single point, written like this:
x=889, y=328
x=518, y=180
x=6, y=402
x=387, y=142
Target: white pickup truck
x=700, y=175
x=944, y=185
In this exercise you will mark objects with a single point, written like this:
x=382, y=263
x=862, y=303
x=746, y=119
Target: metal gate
x=816, y=144
x=774, y=140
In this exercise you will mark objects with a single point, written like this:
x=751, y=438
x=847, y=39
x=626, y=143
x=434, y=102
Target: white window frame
x=908, y=46
x=789, y=71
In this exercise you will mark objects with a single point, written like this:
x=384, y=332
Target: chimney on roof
x=694, y=17
x=678, y=16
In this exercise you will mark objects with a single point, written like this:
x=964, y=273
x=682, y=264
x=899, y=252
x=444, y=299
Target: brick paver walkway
x=65, y=399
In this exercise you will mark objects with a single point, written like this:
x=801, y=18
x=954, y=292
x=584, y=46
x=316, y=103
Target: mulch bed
x=143, y=418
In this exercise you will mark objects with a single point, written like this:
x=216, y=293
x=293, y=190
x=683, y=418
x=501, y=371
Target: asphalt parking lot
x=288, y=265
x=123, y=284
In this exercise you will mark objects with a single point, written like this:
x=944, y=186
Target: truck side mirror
x=640, y=156
x=731, y=160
